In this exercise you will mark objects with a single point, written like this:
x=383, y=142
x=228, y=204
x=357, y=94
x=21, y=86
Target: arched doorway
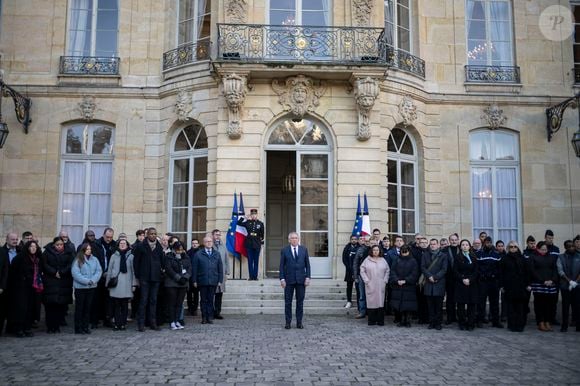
x=299, y=182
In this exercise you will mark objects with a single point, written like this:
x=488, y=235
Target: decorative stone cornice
x=237, y=11
x=87, y=108
x=299, y=94
x=494, y=117
x=183, y=105
x=362, y=10
x=366, y=91
x=235, y=88
x=407, y=111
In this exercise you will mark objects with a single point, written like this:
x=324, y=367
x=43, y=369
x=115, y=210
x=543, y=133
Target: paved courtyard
x=258, y=350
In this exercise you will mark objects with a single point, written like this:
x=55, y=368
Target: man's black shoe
x=141, y=329
x=218, y=317
x=564, y=329
x=287, y=326
x=204, y=321
x=497, y=325
x=209, y=321
x=154, y=327
x=300, y=326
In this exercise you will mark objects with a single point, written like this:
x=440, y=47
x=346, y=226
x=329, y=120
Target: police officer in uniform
x=254, y=241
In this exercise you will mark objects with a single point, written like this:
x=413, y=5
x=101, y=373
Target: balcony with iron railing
x=186, y=54
x=89, y=65
x=492, y=74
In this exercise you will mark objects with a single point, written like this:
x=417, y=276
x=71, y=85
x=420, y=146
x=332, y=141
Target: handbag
x=112, y=283
x=422, y=279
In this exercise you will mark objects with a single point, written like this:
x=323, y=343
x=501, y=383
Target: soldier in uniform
x=254, y=241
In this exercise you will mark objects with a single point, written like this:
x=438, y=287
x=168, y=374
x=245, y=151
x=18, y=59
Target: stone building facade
x=155, y=113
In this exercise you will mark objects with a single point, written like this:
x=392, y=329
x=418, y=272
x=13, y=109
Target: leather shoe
x=300, y=326
x=141, y=329
x=209, y=321
x=204, y=321
x=287, y=326
x=218, y=317
x=154, y=327
x=360, y=316
x=497, y=325
x=563, y=329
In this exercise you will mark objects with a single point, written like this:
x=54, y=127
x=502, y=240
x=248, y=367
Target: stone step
x=280, y=295
x=280, y=303
x=280, y=310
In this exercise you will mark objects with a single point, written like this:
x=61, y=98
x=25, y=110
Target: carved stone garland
x=299, y=94
x=183, y=105
x=362, y=12
x=236, y=11
x=366, y=91
x=494, y=117
x=87, y=107
x=235, y=88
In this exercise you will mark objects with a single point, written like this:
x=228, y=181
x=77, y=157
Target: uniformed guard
x=254, y=241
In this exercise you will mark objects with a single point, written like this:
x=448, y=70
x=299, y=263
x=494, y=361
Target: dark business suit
x=294, y=270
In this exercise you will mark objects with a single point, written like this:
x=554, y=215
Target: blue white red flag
x=241, y=232
x=356, y=229
x=366, y=221
x=231, y=236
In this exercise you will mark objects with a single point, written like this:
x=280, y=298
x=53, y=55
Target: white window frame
x=88, y=160
x=190, y=155
x=298, y=10
x=494, y=165
x=399, y=157
x=194, y=21
x=395, y=26
x=488, y=25
x=93, y=28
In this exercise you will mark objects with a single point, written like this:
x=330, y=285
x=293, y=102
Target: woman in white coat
x=121, y=268
x=375, y=271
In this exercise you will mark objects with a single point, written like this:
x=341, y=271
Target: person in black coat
x=4, y=267
x=452, y=251
x=404, y=275
x=420, y=247
x=25, y=283
x=148, y=263
x=56, y=269
x=207, y=273
x=348, y=254
x=177, y=275
x=192, y=292
x=544, y=284
x=465, y=281
x=514, y=281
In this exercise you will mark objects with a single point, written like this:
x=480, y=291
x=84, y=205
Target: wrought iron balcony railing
x=300, y=44
x=187, y=53
x=492, y=74
x=404, y=61
x=89, y=65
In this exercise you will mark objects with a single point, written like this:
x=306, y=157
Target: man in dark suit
x=294, y=276
x=207, y=274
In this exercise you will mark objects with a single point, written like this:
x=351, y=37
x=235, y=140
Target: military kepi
x=253, y=211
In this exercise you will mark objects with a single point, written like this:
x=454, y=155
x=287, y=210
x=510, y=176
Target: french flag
x=231, y=237
x=366, y=220
x=241, y=232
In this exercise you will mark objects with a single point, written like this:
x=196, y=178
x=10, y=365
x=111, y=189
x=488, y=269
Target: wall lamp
x=21, y=106
x=555, y=114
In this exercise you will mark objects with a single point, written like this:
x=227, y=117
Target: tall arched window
x=495, y=187
x=402, y=182
x=86, y=179
x=188, y=184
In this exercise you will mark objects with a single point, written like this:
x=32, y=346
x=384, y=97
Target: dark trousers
x=253, y=258
x=192, y=299
x=99, y=307
x=207, y=294
x=83, y=307
x=217, y=304
x=174, y=298
x=488, y=290
x=570, y=299
x=55, y=314
x=135, y=302
x=149, y=290
x=349, y=285
x=466, y=314
x=516, y=312
x=545, y=307
x=422, y=309
x=37, y=307
x=289, y=290
x=435, y=307
x=3, y=311
x=376, y=316
x=162, y=307
x=388, y=295
x=120, y=311
x=450, y=305
x=22, y=309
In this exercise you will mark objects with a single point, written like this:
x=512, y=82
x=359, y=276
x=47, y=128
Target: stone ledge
x=493, y=88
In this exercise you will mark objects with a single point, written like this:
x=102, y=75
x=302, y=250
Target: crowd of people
x=106, y=275
x=410, y=281
x=413, y=280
